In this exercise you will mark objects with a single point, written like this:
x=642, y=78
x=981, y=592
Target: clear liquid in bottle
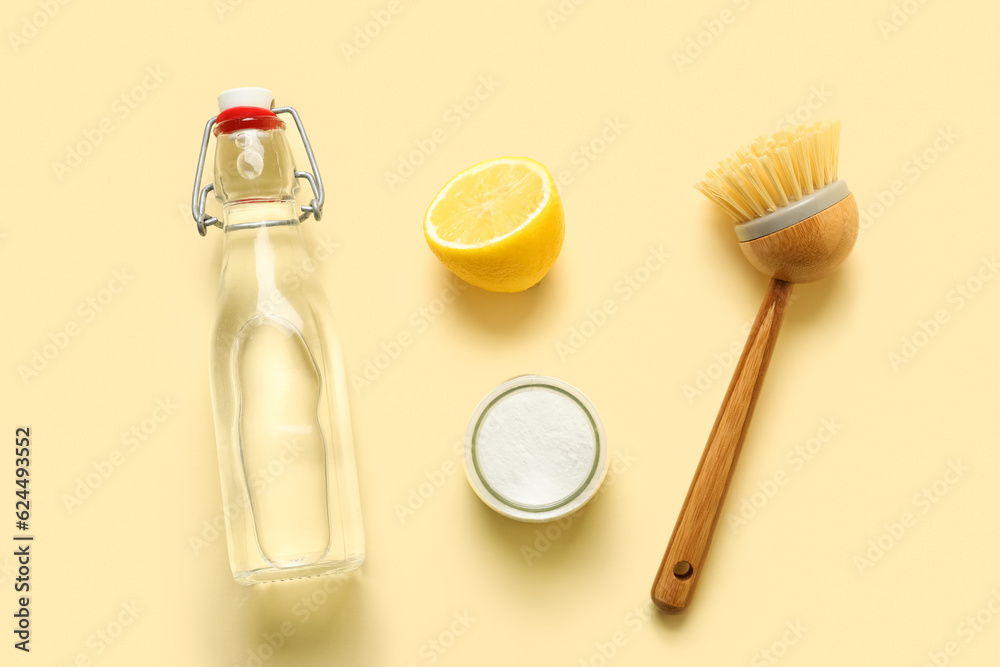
x=279, y=388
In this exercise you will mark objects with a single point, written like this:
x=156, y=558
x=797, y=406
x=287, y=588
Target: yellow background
x=563, y=74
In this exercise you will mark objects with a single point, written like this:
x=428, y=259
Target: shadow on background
x=813, y=304
x=545, y=556
x=540, y=548
x=307, y=619
x=670, y=624
x=504, y=315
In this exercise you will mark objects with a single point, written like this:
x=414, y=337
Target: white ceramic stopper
x=245, y=97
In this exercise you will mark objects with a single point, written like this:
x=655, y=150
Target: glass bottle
x=279, y=389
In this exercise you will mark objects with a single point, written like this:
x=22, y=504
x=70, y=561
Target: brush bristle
x=770, y=172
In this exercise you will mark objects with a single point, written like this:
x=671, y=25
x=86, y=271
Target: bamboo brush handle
x=685, y=556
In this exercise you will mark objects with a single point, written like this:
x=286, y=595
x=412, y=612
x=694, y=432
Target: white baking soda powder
x=535, y=449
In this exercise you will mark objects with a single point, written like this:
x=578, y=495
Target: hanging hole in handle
x=683, y=570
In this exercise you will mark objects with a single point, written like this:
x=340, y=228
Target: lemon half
x=498, y=225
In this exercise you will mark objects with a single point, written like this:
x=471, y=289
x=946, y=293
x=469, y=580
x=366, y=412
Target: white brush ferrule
x=794, y=213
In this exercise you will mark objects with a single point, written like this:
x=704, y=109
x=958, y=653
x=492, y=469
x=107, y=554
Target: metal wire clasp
x=199, y=197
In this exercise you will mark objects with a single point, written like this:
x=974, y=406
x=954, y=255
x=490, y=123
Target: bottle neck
x=250, y=214
x=254, y=178
x=254, y=167
x=263, y=245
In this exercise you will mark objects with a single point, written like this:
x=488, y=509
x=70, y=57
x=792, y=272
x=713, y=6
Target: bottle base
x=268, y=574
